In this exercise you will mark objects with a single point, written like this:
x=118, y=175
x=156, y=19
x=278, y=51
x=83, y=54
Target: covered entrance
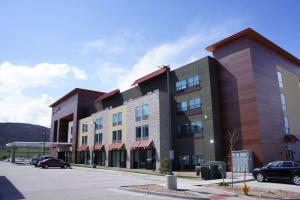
x=143, y=154
x=84, y=155
x=100, y=155
x=117, y=155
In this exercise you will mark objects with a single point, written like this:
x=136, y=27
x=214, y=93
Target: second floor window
x=193, y=81
x=117, y=119
x=84, y=128
x=98, y=123
x=182, y=106
x=286, y=125
x=180, y=85
x=194, y=103
x=283, y=104
x=196, y=127
x=183, y=129
x=84, y=140
x=117, y=136
x=138, y=133
x=280, y=79
x=145, y=131
x=98, y=138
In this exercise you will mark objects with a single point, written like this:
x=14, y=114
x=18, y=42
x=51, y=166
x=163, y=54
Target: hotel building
x=250, y=84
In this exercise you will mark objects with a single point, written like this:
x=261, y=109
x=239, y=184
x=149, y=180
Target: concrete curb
x=162, y=194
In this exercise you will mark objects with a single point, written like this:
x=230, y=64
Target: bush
x=164, y=166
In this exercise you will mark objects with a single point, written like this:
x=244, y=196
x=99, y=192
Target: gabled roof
x=259, y=38
x=109, y=94
x=149, y=76
x=73, y=92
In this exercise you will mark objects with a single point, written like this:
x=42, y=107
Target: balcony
x=191, y=111
x=182, y=91
x=190, y=134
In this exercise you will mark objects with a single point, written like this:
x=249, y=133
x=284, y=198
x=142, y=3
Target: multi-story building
x=250, y=85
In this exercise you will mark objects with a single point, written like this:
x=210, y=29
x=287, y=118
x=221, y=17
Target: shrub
x=164, y=166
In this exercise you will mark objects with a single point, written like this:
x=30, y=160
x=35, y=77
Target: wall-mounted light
x=205, y=116
x=211, y=141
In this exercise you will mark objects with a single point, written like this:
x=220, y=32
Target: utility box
x=242, y=160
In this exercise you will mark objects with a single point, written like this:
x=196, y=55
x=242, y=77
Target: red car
x=53, y=162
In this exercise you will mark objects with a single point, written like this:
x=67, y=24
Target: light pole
x=44, y=148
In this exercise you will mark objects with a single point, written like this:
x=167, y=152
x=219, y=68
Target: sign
x=171, y=155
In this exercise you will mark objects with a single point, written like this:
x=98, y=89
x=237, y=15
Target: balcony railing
x=180, y=90
x=190, y=111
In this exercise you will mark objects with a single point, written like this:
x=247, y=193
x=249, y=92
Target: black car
x=41, y=159
x=34, y=160
x=279, y=170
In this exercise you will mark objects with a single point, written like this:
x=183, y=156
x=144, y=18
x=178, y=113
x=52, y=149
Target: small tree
x=164, y=166
x=232, y=137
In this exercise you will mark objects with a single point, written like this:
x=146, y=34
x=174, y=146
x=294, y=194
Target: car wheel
x=296, y=179
x=35, y=165
x=260, y=177
x=65, y=166
x=46, y=166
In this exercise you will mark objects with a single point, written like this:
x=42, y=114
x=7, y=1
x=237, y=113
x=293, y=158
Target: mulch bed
x=161, y=189
x=261, y=193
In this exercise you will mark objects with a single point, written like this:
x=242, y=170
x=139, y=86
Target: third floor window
x=193, y=81
x=142, y=112
x=180, y=85
x=85, y=128
x=283, y=103
x=98, y=123
x=117, y=119
x=280, y=79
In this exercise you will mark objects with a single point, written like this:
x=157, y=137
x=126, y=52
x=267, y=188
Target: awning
x=98, y=147
x=290, y=138
x=135, y=144
x=145, y=144
x=83, y=148
x=116, y=146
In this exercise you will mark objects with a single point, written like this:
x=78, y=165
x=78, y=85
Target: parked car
x=41, y=159
x=53, y=162
x=34, y=160
x=279, y=170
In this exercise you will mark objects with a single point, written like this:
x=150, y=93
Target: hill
x=22, y=132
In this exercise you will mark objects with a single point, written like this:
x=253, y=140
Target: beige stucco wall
x=89, y=133
x=122, y=127
x=291, y=90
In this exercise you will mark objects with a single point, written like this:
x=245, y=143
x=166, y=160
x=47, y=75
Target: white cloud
x=185, y=49
x=15, y=106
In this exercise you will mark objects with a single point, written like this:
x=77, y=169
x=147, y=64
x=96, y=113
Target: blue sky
x=47, y=48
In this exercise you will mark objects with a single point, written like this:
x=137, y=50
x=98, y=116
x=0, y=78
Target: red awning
x=135, y=144
x=149, y=76
x=98, y=147
x=145, y=144
x=290, y=138
x=116, y=146
x=83, y=148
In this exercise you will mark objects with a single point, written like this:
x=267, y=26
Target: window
x=296, y=164
x=138, y=113
x=193, y=81
x=283, y=104
x=138, y=133
x=180, y=85
x=84, y=128
x=197, y=159
x=196, y=127
x=114, y=136
x=84, y=140
x=145, y=111
x=182, y=106
x=183, y=129
x=145, y=132
x=98, y=123
x=194, y=103
x=299, y=82
x=184, y=159
x=117, y=119
x=286, y=125
x=98, y=138
x=119, y=138
x=280, y=79
x=287, y=164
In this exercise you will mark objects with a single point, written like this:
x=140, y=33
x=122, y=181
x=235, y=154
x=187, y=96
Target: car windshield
x=273, y=164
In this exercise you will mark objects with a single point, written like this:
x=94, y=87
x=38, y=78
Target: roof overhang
x=150, y=76
x=257, y=37
x=107, y=95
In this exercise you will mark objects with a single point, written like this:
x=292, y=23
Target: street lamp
x=44, y=148
x=93, y=152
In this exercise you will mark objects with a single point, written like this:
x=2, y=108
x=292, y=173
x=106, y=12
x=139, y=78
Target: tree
x=231, y=139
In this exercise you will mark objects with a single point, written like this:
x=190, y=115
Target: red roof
x=259, y=38
x=73, y=92
x=290, y=138
x=83, y=148
x=116, y=146
x=135, y=145
x=98, y=147
x=109, y=94
x=145, y=144
x=149, y=76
